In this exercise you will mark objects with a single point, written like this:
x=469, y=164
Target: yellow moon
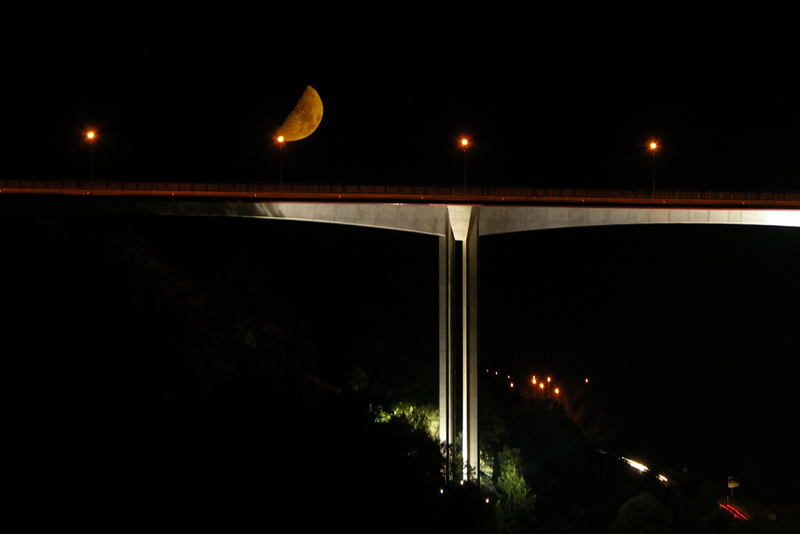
x=304, y=118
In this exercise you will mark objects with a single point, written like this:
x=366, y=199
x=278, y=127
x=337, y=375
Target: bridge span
x=457, y=215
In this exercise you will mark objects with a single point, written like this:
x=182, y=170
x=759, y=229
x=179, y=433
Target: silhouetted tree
x=642, y=515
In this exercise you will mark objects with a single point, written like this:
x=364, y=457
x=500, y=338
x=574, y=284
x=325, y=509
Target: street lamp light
x=90, y=136
x=653, y=148
x=464, y=143
x=280, y=140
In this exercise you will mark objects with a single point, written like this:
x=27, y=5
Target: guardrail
x=395, y=191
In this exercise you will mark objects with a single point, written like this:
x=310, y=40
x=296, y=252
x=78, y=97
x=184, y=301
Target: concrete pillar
x=463, y=222
x=469, y=275
x=446, y=418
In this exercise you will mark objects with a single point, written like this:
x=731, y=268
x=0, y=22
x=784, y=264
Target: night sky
x=551, y=96
x=691, y=329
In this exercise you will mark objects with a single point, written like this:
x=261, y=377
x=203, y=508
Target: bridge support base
x=462, y=226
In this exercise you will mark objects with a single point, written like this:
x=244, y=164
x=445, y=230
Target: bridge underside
x=453, y=224
x=459, y=227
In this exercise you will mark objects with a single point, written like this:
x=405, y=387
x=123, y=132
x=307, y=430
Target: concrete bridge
x=459, y=216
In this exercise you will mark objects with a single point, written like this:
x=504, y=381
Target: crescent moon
x=304, y=118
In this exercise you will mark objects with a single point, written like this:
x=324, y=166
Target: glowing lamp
x=280, y=139
x=90, y=135
x=464, y=142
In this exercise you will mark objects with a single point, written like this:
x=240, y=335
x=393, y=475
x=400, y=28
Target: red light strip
x=733, y=511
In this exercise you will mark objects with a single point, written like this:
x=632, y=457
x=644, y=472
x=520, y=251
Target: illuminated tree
x=515, y=502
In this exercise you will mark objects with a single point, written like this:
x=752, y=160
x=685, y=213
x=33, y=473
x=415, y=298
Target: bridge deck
x=407, y=194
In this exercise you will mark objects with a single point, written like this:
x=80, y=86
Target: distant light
x=90, y=135
x=636, y=465
x=541, y=385
x=587, y=380
x=280, y=139
x=464, y=142
x=734, y=511
x=441, y=491
x=548, y=379
x=663, y=479
x=487, y=500
x=556, y=391
x=512, y=384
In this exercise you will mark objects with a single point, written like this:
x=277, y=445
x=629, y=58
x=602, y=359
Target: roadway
x=473, y=195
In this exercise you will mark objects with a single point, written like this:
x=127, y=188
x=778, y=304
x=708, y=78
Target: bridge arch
x=465, y=224
x=452, y=223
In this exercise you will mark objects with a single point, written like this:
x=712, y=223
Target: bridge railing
x=377, y=191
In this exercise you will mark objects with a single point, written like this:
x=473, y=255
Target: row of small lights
x=533, y=381
x=541, y=385
x=441, y=492
x=464, y=141
x=90, y=135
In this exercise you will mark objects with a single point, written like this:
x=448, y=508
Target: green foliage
x=424, y=418
x=357, y=379
x=515, y=503
x=487, y=471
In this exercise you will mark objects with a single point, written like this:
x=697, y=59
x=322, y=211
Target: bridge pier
x=446, y=374
x=461, y=224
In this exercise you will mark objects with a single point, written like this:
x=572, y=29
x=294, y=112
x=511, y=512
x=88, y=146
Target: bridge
x=457, y=215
